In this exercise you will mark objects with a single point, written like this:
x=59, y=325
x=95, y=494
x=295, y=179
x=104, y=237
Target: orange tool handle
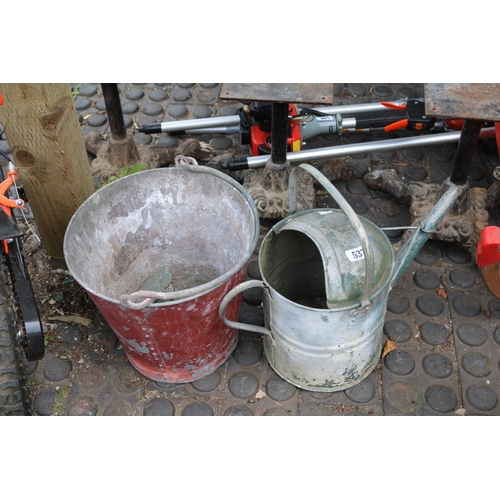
x=396, y=125
x=392, y=105
x=399, y=124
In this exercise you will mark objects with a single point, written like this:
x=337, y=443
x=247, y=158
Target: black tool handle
x=238, y=163
x=150, y=128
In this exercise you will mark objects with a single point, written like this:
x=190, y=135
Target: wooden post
x=44, y=136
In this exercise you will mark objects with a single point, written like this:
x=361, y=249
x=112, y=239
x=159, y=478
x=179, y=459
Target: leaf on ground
x=79, y=320
x=137, y=168
x=260, y=394
x=442, y=293
x=389, y=346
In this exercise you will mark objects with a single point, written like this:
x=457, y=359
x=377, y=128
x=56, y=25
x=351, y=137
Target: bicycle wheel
x=14, y=397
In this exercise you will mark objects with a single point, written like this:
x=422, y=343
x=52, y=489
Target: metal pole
x=184, y=125
x=345, y=109
x=114, y=111
x=279, y=127
x=465, y=151
x=215, y=130
x=352, y=149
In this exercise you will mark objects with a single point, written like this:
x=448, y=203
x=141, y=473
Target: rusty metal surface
x=476, y=101
x=311, y=93
x=187, y=220
x=101, y=381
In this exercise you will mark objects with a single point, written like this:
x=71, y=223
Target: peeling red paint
x=185, y=341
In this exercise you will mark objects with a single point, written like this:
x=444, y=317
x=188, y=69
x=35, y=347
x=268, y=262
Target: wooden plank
x=476, y=101
x=310, y=93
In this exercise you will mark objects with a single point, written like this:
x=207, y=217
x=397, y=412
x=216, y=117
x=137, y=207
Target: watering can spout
x=426, y=227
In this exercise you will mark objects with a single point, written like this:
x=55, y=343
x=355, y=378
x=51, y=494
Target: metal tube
x=348, y=123
x=367, y=147
x=356, y=108
x=279, y=127
x=216, y=130
x=114, y=111
x=465, y=151
x=183, y=125
x=218, y=121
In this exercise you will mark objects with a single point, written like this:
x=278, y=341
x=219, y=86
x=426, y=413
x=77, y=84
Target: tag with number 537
x=355, y=254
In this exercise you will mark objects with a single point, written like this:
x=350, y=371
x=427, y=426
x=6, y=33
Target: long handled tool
x=242, y=163
x=392, y=115
x=253, y=123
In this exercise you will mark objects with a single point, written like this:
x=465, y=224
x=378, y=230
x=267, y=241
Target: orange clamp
x=8, y=203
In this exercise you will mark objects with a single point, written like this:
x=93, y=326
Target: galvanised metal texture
x=313, y=346
x=331, y=345
x=185, y=220
x=323, y=311
x=86, y=372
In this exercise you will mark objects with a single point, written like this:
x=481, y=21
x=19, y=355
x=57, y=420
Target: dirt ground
x=59, y=297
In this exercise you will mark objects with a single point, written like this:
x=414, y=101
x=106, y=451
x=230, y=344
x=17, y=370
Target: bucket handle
x=230, y=296
x=348, y=211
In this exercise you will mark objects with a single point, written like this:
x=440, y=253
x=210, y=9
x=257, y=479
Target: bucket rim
x=190, y=293
x=341, y=307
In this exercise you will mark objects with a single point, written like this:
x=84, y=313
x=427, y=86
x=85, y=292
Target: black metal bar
x=465, y=151
x=33, y=339
x=114, y=111
x=279, y=129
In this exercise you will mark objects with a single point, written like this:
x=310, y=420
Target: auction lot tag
x=355, y=254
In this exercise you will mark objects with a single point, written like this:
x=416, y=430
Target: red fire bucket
x=157, y=251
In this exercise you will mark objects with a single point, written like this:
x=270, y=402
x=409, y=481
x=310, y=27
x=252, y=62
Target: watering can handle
x=230, y=296
x=348, y=211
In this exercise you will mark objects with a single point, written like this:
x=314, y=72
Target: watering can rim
x=190, y=293
x=353, y=219
x=349, y=212
x=352, y=304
